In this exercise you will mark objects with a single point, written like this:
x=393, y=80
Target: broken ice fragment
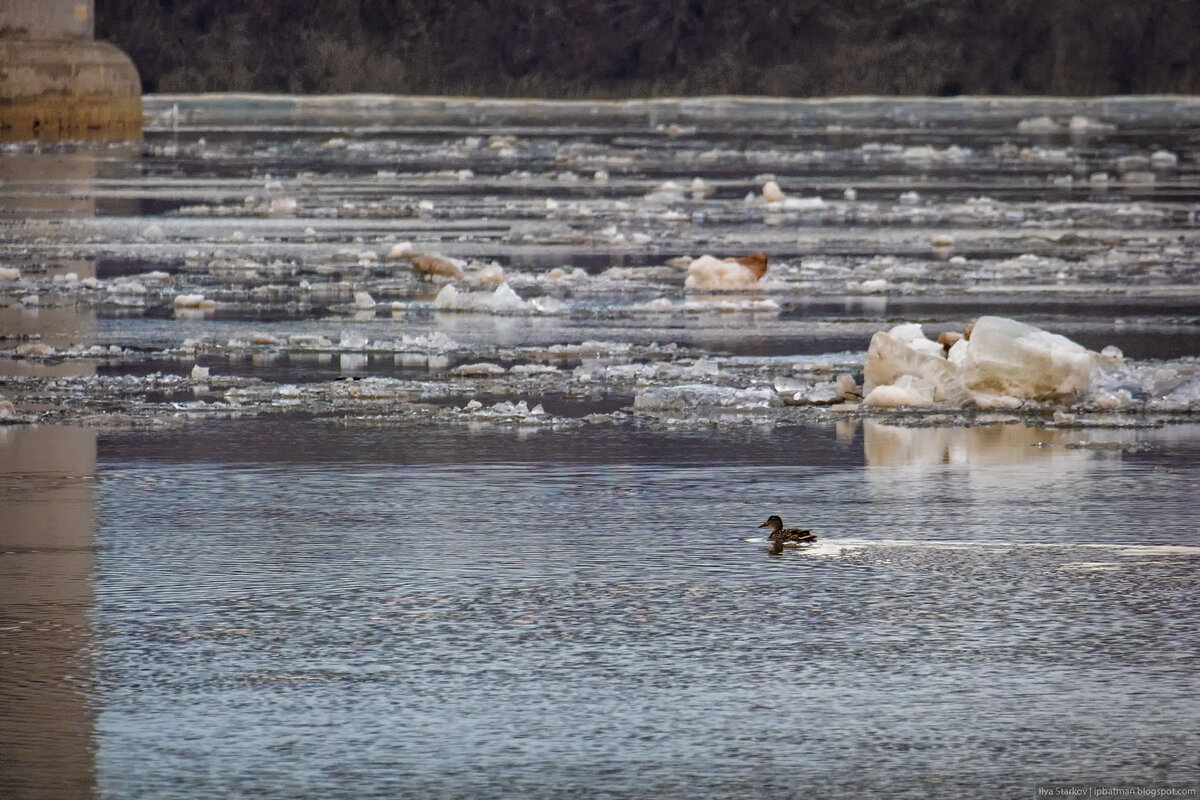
x=193, y=301
x=908, y=390
x=1007, y=357
x=482, y=369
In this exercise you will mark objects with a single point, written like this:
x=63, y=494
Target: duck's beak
x=765, y=525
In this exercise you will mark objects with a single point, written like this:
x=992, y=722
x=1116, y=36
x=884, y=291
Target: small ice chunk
x=1112, y=400
x=309, y=340
x=850, y=194
x=1163, y=159
x=889, y=358
x=505, y=299
x=1039, y=125
x=873, y=286
x=10, y=274
x=547, y=305
x=802, y=203
x=35, y=350
x=352, y=341
x=492, y=273
x=907, y=332
x=237, y=237
x=667, y=192
x=400, y=250
x=481, y=369
x=657, y=305
x=772, y=193
x=153, y=233
x=910, y=198
x=199, y=373
x=1082, y=124
x=474, y=405
x=707, y=272
x=677, y=398
x=958, y=352
x=193, y=301
x=908, y=390
x=363, y=300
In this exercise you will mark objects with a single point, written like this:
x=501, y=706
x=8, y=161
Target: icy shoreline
x=256, y=109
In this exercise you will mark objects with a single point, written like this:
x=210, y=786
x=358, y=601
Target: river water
x=316, y=571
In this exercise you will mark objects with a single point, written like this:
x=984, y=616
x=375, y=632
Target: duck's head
x=773, y=522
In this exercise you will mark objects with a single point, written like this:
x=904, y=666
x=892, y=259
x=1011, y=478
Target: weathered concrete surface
x=67, y=89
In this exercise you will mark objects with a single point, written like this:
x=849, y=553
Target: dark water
x=286, y=609
x=343, y=599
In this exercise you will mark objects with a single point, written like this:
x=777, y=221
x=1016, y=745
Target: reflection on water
x=283, y=608
x=286, y=609
x=58, y=185
x=47, y=560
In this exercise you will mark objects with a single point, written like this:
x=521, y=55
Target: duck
x=781, y=536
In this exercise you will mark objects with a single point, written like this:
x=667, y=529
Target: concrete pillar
x=56, y=82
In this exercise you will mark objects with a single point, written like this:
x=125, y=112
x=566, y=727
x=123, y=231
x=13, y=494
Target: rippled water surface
x=294, y=542
x=297, y=609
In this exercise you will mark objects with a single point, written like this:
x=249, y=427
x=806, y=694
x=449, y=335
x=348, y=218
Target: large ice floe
x=996, y=363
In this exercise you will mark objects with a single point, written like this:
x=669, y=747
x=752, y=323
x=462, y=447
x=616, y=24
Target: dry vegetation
x=606, y=48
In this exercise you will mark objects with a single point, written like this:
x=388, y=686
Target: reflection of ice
x=980, y=446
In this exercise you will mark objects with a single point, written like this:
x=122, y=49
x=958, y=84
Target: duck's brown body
x=781, y=535
x=755, y=262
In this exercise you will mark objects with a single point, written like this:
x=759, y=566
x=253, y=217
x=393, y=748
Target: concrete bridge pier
x=57, y=82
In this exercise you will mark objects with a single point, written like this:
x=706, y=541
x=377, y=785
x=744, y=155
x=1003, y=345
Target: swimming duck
x=786, y=536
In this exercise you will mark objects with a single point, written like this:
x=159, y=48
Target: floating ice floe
x=1082, y=124
x=1001, y=364
x=1163, y=159
x=501, y=301
x=772, y=193
x=192, y=301
x=709, y=273
x=679, y=398
x=1040, y=125
x=483, y=369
